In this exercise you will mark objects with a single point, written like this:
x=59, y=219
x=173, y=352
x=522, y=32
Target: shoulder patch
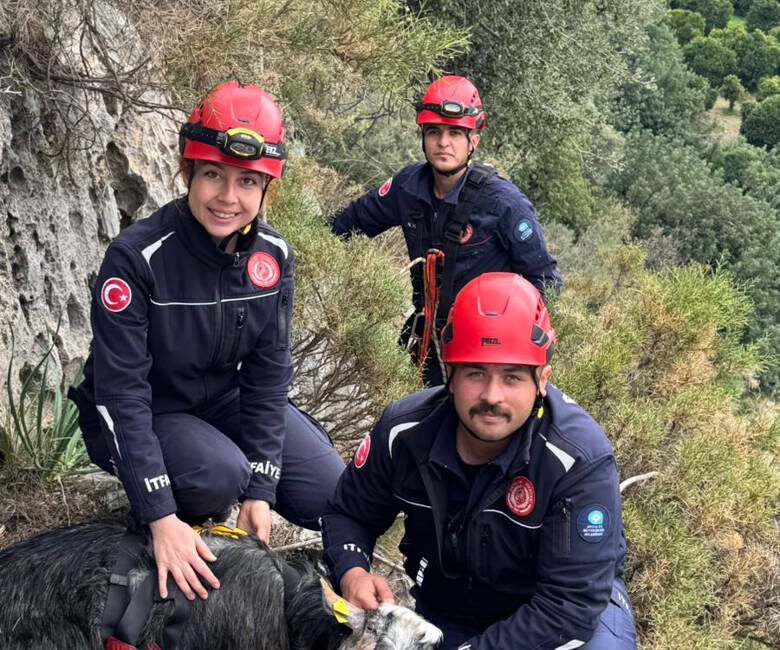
x=524, y=230
x=385, y=188
x=361, y=455
x=593, y=523
x=116, y=294
x=263, y=270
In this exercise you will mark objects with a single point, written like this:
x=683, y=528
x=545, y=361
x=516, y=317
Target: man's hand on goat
x=255, y=517
x=365, y=590
x=180, y=552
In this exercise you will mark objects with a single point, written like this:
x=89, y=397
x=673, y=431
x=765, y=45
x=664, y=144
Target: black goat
x=53, y=589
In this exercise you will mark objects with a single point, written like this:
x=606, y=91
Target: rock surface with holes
x=62, y=199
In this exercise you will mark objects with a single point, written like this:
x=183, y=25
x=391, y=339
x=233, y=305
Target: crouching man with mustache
x=509, y=489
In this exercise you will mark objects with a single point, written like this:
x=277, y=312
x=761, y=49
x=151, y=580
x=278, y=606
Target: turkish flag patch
x=361, y=455
x=263, y=270
x=521, y=496
x=115, y=294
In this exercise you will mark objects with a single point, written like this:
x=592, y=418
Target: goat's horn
x=342, y=609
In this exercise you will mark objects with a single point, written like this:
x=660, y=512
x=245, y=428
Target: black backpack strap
x=476, y=178
x=125, y=615
x=118, y=599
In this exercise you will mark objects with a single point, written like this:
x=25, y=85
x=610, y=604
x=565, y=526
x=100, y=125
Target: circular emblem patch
x=521, y=497
x=385, y=186
x=593, y=523
x=115, y=294
x=467, y=233
x=263, y=270
x=361, y=455
x=524, y=230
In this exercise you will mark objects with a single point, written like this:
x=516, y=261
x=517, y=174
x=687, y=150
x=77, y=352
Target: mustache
x=484, y=408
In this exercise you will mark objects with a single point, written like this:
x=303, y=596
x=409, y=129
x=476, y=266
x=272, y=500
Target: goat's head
x=391, y=627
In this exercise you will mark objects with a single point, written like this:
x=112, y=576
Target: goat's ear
x=343, y=611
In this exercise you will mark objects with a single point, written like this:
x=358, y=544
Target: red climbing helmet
x=236, y=125
x=452, y=100
x=499, y=318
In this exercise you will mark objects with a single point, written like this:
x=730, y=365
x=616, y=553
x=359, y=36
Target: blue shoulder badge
x=593, y=523
x=524, y=230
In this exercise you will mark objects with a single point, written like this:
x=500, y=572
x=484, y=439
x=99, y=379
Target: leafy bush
x=716, y=13
x=768, y=86
x=685, y=24
x=42, y=433
x=671, y=187
x=662, y=94
x=350, y=300
x=758, y=56
x=763, y=15
x=762, y=126
x=732, y=90
x=657, y=359
x=711, y=59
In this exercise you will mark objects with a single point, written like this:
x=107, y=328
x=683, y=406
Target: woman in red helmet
x=478, y=220
x=185, y=389
x=513, y=531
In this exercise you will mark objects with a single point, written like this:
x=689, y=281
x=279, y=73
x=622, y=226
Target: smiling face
x=224, y=198
x=448, y=147
x=492, y=401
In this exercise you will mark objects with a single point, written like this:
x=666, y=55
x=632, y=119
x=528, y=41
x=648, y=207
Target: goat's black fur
x=53, y=589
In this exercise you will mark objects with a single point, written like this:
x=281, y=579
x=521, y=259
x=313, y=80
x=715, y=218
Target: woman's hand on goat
x=181, y=553
x=255, y=517
x=364, y=589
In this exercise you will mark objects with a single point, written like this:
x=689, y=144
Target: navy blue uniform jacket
x=197, y=326
x=528, y=554
x=503, y=233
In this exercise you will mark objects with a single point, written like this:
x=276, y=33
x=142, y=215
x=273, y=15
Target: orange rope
x=431, y=294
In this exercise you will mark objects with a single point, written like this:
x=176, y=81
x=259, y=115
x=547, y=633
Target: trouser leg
x=208, y=472
x=616, y=624
x=310, y=464
x=311, y=467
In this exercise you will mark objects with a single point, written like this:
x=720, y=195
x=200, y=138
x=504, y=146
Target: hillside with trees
x=668, y=239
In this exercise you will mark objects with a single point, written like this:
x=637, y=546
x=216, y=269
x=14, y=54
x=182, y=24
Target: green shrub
x=349, y=305
x=656, y=358
x=42, y=433
x=685, y=24
x=762, y=126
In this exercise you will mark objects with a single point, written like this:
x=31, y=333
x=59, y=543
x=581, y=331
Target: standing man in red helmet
x=475, y=220
x=513, y=531
x=185, y=391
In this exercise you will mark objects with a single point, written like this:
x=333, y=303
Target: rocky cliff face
x=61, y=206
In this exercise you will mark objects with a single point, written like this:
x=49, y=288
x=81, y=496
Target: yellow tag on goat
x=220, y=531
x=341, y=610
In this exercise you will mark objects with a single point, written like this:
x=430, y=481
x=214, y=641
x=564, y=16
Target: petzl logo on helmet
x=467, y=233
x=263, y=270
x=385, y=186
x=521, y=496
x=361, y=455
x=115, y=294
x=488, y=340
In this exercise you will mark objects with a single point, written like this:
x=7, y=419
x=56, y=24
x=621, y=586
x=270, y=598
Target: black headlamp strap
x=217, y=139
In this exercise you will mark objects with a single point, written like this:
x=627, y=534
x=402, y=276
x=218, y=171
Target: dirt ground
x=724, y=124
